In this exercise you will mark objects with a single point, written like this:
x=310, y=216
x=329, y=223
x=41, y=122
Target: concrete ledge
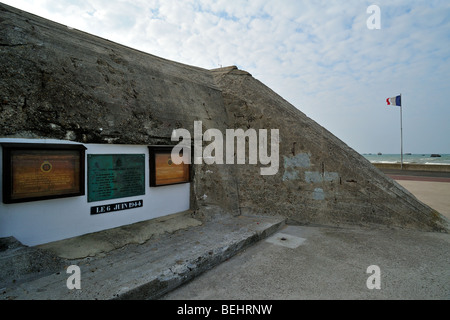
x=151, y=269
x=102, y=242
x=20, y=263
x=414, y=167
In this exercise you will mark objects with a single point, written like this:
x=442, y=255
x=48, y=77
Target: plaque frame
x=157, y=150
x=42, y=150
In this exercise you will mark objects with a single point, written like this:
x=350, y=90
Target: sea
x=420, y=158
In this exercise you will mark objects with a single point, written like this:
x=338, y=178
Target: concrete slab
x=19, y=263
x=151, y=269
x=100, y=243
x=286, y=238
x=332, y=263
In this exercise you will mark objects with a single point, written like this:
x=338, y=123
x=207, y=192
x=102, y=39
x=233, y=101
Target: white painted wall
x=43, y=221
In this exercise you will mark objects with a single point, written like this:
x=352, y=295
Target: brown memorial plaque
x=162, y=169
x=42, y=171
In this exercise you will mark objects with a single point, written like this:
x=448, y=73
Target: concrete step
x=154, y=268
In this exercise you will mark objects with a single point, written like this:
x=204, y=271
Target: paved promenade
x=432, y=188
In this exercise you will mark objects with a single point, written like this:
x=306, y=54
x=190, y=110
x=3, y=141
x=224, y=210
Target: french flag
x=394, y=101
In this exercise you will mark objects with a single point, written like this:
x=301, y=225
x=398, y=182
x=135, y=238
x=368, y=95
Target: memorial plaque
x=112, y=176
x=162, y=169
x=42, y=171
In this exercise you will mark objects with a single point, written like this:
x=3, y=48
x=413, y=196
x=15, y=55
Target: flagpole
x=401, y=134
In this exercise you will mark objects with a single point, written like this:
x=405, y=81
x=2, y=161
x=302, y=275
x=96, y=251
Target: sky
x=320, y=56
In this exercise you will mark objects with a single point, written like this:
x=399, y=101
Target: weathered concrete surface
x=150, y=269
x=98, y=243
x=19, y=263
x=321, y=179
x=330, y=263
x=65, y=84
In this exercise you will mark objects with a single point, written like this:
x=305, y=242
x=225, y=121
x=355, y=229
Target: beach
x=430, y=187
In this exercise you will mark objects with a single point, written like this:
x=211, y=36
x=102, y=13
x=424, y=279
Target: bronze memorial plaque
x=162, y=169
x=112, y=176
x=38, y=172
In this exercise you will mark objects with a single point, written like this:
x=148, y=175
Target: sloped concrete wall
x=65, y=84
x=321, y=179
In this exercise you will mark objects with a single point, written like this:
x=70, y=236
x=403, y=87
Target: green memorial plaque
x=112, y=176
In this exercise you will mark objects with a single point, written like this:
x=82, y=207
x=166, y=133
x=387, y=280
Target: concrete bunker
x=64, y=86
